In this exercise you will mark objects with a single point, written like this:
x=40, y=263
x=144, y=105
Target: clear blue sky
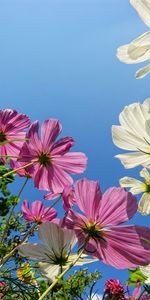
x=58, y=59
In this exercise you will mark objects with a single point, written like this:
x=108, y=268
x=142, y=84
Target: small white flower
x=146, y=271
x=133, y=134
x=139, y=49
x=54, y=254
x=137, y=187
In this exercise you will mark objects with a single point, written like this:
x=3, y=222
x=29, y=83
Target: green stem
x=17, y=169
x=63, y=273
x=12, y=209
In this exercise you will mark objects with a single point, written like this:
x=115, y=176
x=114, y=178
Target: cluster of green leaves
x=75, y=286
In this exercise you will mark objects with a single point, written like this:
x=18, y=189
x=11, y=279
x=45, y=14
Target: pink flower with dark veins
x=38, y=213
x=12, y=136
x=50, y=158
x=119, y=246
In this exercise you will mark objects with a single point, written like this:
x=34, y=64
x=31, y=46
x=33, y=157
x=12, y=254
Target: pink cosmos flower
x=51, y=159
x=38, y=212
x=119, y=246
x=11, y=134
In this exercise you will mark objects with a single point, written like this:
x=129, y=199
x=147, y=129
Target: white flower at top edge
x=139, y=49
x=137, y=187
x=53, y=254
x=133, y=134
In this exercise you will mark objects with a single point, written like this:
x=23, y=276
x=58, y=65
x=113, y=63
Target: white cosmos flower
x=133, y=134
x=146, y=271
x=139, y=49
x=53, y=254
x=137, y=187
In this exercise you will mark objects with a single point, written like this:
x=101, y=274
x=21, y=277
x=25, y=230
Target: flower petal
x=136, y=186
x=144, y=204
x=137, y=51
x=49, y=270
x=50, y=129
x=88, y=196
x=127, y=140
x=26, y=211
x=37, y=209
x=116, y=206
x=134, y=159
x=143, y=9
x=56, y=238
x=124, y=248
x=62, y=146
x=34, y=251
x=142, y=72
x=74, y=162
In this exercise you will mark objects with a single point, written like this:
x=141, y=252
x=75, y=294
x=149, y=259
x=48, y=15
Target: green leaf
x=136, y=276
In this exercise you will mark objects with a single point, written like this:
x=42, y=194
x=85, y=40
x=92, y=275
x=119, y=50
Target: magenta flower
x=119, y=246
x=114, y=290
x=38, y=212
x=11, y=134
x=51, y=159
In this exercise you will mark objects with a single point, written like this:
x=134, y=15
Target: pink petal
x=34, y=140
x=68, y=197
x=117, y=206
x=26, y=212
x=123, y=247
x=137, y=291
x=74, y=162
x=41, y=178
x=51, y=196
x=88, y=197
x=50, y=129
x=58, y=179
x=37, y=209
x=62, y=146
x=49, y=214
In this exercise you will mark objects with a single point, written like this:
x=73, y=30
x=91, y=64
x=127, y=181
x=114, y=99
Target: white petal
x=145, y=174
x=57, y=238
x=134, y=159
x=142, y=72
x=49, y=270
x=127, y=140
x=145, y=270
x=137, y=51
x=136, y=186
x=133, y=119
x=144, y=204
x=143, y=9
x=34, y=251
x=82, y=260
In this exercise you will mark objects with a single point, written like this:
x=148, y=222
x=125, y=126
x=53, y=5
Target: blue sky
x=58, y=60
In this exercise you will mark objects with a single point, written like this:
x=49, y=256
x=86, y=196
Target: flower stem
x=17, y=169
x=63, y=273
x=12, y=209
